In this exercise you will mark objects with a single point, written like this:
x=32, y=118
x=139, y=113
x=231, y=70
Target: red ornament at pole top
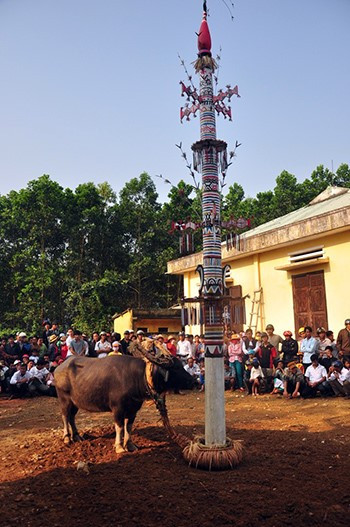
x=204, y=38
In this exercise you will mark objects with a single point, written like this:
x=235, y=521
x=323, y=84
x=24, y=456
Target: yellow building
x=164, y=321
x=290, y=272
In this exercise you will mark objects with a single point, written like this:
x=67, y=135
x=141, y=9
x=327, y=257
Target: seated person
x=229, y=378
x=316, y=379
x=328, y=358
x=256, y=376
x=293, y=381
x=38, y=377
x=278, y=386
x=193, y=369
x=339, y=379
x=19, y=382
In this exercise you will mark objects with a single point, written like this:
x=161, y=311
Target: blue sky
x=90, y=88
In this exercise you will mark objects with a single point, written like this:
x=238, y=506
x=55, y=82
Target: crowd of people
x=264, y=363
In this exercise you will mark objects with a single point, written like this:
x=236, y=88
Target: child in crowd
x=278, y=387
x=256, y=376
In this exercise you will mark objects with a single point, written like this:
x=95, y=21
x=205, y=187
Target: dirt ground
x=296, y=469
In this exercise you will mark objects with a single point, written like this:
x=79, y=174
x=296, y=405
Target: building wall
x=153, y=324
x=255, y=271
x=123, y=322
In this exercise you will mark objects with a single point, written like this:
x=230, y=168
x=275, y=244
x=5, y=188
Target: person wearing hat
x=115, y=349
x=235, y=359
x=125, y=342
x=103, y=346
x=339, y=379
x=160, y=340
x=293, y=381
x=53, y=348
x=171, y=345
x=343, y=340
x=140, y=335
x=274, y=339
x=323, y=342
x=289, y=348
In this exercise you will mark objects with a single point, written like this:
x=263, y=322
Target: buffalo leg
x=128, y=444
x=66, y=405
x=118, y=423
x=72, y=414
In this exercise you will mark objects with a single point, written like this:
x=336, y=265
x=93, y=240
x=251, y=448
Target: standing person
x=323, y=342
x=199, y=350
x=70, y=336
x=95, y=337
x=125, y=342
x=46, y=332
x=266, y=355
x=63, y=348
x=330, y=336
x=103, y=346
x=274, y=339
x=308, y=347
x=53, y=349
x=183, y=348
x=235, y=357
x=12, y=350
x=42, y=347
x=78, y=346
x=171, y=345
x=289, y=348
x=343, y=340
x=116, y=347
x=249, y=344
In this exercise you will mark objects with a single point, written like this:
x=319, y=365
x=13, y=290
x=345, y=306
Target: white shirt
x=17, y=376
x=105, y=346
x=39, y=374
x=256, y=372
x=194, y=371
x=34, y=358
x=184, y=348
x=315, y=374
x=343, y=376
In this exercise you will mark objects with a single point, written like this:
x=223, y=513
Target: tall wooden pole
x=207, y=154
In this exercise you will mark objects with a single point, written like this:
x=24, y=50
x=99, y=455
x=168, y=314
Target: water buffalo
x=114, y=384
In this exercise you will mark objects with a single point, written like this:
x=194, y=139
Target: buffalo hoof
x=131, y=447
x=77, y=438
x=67, y=440
x=119, y=449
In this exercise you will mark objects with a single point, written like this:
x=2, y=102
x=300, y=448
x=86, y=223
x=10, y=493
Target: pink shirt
x=235, y=351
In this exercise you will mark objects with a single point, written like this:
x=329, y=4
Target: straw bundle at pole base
x=226, y=457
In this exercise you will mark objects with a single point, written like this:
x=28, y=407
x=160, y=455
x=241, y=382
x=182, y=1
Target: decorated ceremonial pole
x=207, y=152
x=215, y=450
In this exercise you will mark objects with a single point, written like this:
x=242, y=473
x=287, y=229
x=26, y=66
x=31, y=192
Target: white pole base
x=215, y=424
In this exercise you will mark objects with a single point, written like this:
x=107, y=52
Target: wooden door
x=235, y=306
x=309, y=297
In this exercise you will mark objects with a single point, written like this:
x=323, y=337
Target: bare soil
x=296, y=469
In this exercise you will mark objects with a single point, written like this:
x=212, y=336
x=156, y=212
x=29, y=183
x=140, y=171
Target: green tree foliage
x=80, y=255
